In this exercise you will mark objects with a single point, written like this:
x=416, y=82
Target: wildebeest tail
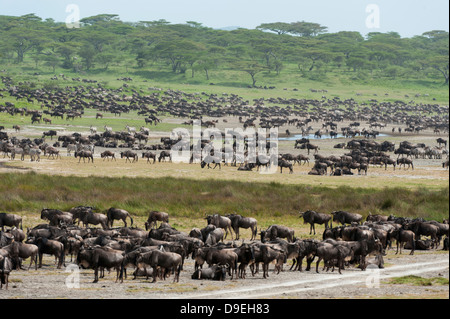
x=131, y=218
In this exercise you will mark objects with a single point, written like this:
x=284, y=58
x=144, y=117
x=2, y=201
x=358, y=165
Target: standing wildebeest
x=237, y=221
x=346, y=217
x=404, y=236
x=107, y=155
x=283, y=163
x=10, y=220
x=89, y=217
x=129, y=154
x=441, y=141
x=311, y=217
x=29, y=250
x=275, y=231
x=164, y=261
x=117, y=213
x=221, y=222
x=405, y=161
x=163, y=155
x=155, y=216
x=100, y=257
x=51, y=247
x=149, y=155
x=84, y=155
x=426, y=229
x=56, y=217
x=6, y=267
x=329, y=252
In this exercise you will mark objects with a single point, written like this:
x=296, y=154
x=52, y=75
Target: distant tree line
x=104, y=40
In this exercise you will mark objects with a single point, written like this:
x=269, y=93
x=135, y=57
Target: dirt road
x=49, y=282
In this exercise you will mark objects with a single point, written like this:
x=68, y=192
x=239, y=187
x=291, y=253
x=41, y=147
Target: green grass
x=419, y=281
x=190, y=198
x=339, y=82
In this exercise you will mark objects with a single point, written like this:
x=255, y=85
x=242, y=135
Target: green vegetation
x=274, y=54
x=419, y=281
x=30, y=192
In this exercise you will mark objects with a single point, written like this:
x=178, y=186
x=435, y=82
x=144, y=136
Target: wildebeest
x=155, y=216
x=163, y=155
x=329, y=252
x=129, y=154
x=279, y=231
x=6, y=267
x=97, y=257
x=215, y=236
x=116, y=214
x=224, y=257
x=10, y=220
x=215, y=272
x=89, y=217
x=29, y=251
x=83, y=155
x=162, y=261
x=421, y=228
x=51, y=247
x=311, y=217
x=405, y=161
x=57, y=217
x=404, y=236
x=107, y=155
x=237, y=221
x=346, y=217
x=285, y=164
x=221, y=222
x=148, y=156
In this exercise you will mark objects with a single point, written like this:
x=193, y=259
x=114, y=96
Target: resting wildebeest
x=221, y=222
x=237, y=221
x=10, y=220
x=155, y=216
x=97, y=257
x=275, y=231
x=311, y=217
x=346, y=217
x=117, y=214
x=215, y=272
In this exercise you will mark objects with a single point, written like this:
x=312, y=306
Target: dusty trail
x=371, y=278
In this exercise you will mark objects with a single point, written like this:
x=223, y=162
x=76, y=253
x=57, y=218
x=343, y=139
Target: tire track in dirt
x=321, y=281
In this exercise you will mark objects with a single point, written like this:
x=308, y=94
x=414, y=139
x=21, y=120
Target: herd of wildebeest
x=160, y=252
x=362, y=120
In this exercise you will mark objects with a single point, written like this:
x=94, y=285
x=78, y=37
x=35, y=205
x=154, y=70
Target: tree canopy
x=104, y=39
